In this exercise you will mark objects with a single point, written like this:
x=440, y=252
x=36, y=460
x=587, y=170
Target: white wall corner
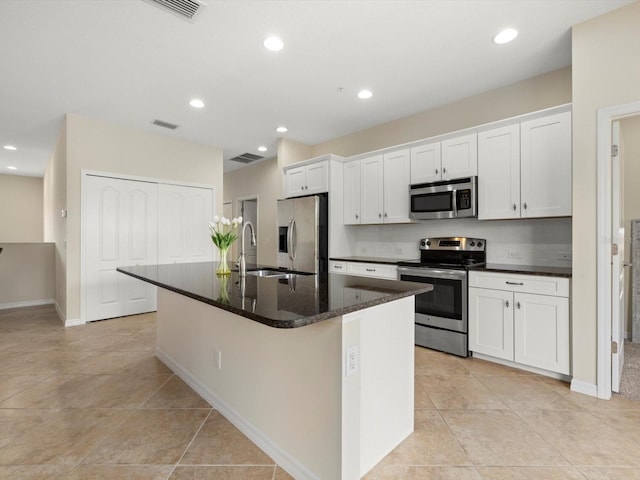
x=585, y=388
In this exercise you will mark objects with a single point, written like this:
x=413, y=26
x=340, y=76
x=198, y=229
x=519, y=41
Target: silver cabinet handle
x=338, y=267
x=514, y=207
x=385, y=215
x=444, y=170
x=370, y=269
x=514, y=283
x=379, y=215
x=625, y=264
x=524, y=205
x=506, y=304
x=357, y=215
x=518, y=305
x=436, y=171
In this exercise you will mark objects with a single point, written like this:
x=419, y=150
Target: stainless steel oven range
x=442, y=314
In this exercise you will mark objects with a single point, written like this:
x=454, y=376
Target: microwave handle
x=455, y=202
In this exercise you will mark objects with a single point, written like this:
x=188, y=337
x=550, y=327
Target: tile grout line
x=195, y=435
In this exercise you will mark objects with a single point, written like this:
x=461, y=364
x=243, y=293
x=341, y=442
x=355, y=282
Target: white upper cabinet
x=351, y=192
x=426, y=163
x=453, y=158
x=397, y=177
x=499, y=173
x=372, y=184
x=524, y=169
x=460, y=157
x=376, y=189
x=545, y=161
x=307, y=179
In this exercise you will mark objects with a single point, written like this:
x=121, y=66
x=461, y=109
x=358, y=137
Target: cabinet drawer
x=338, y=267
x=376, y=270
x=542, y=285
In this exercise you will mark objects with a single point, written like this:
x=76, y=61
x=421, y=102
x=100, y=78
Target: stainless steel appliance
x=442, y=314
x=446, y=199
x=303, y=234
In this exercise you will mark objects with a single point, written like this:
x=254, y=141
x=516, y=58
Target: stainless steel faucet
x=242, y=266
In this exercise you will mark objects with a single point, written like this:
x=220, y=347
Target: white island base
x=326, y=401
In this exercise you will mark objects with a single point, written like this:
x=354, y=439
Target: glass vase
x=223, y=265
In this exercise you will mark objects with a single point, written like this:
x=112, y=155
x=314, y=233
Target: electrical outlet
x=514, y=255
x=352, y=361
x=398, y=251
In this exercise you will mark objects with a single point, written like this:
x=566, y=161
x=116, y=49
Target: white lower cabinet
x=520, y=318
x=360, y=269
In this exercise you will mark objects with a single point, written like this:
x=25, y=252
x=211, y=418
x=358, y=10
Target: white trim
x=281, y=457
x=28, y=303
x=60, y=312
x=585, y=388
x=605, y=116
x=520, y=366
x=74, y=322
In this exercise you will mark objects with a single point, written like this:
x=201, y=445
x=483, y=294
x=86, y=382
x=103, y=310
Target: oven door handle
x=432, y=272
x=454, y=202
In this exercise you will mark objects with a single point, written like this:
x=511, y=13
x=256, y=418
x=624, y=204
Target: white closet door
x=183, y=224
x=121, y=218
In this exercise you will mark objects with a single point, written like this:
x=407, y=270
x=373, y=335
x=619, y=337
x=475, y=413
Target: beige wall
x=606, y=72
x=630, y=133
x=55, y=226
x=261, y=180
x=100, y=146
x=20, y=209
x=537, y=93
x=27, y=274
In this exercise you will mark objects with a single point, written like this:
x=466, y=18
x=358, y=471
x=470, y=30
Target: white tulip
x=216, y=219
x=240, y=219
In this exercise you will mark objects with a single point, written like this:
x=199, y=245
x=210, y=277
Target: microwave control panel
x=464, y=199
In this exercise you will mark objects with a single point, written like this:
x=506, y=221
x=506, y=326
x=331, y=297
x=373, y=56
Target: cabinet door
x=545, y=160
x=396, y=186
x=541, y=331
x=426, y=163
x=460, y=157
x=371, y=185
x=351, y=198
x=499, y=173
x=491, y=322
x=317, y=178
x=295, y=182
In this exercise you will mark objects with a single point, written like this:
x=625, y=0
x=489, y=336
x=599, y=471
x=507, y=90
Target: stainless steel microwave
x=445, y=199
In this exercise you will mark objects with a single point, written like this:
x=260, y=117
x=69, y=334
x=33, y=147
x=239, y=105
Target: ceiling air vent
x=246, y=158
x=162, y=123
x=186, y=9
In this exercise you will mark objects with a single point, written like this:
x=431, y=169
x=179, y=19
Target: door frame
x=84, y=174
x=605, y=118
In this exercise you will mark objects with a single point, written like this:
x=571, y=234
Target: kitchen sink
x=265, y=272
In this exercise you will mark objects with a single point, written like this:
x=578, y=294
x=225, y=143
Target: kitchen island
x=317, y=370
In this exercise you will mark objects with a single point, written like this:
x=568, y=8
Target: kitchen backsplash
x=519, y=242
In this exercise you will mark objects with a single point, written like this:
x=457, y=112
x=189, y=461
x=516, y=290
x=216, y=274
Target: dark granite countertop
x=527, y=269
x=386, y=261
x=276, y=302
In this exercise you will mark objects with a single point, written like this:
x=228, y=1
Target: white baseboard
x=520, y=366
x=586, y=388
x=281, y=457
x=30, y=303
x=73, y=322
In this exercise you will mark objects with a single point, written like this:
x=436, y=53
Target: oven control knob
x=479, y=244
x=473, y=244
x=423, y=243
x=428, y=243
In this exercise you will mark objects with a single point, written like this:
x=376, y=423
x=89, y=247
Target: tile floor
x=92, y=402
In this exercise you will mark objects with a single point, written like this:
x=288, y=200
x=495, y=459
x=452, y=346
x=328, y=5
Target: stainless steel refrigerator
x=303, y=234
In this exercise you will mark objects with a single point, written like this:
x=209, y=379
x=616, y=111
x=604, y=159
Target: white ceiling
x=129, y=62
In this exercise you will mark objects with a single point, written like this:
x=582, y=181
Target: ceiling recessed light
x=282, y=129
x=273, y=43
x=196, y=103
x=364, y=94
x=505, y=36
x=11, y=167
x=262, y=148
x=10, y=147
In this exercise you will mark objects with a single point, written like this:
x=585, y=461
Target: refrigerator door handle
x=290, y=239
